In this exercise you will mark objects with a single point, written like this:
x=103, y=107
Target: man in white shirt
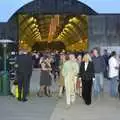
x=113, y=74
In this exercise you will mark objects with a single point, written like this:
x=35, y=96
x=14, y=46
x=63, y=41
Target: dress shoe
x=25, y=100
x=88, y=103
x=19, y=99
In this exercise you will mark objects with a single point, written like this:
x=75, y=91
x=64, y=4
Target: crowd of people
x=74, y=74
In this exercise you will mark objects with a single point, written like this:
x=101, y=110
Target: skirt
x=45, y=78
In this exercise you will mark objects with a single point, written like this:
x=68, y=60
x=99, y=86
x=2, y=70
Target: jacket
x=87, y=74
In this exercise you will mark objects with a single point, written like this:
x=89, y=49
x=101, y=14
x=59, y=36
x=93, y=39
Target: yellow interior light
x=33, y=25
x=30, y=19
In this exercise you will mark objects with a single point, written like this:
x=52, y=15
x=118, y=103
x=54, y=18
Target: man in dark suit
x=24, y=72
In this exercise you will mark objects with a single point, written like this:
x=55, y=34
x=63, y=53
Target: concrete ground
x=103, y=108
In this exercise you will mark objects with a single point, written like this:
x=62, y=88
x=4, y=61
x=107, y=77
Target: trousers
x=113, y=86
x=70, y=84
x=23, y=85
x=98, y=83
x=87, y=91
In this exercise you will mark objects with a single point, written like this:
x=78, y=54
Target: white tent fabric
x=3, y=41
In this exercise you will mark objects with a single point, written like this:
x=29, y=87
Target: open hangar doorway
x=41, y=32
x=52, y=32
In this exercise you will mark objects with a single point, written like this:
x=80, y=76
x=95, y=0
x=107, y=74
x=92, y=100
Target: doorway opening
x=53, y=32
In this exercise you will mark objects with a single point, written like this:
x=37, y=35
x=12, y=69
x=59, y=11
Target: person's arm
x=103, y=64
x=117, y=68
x=115, y=64
x=43, y=66
x=80, y=70
x=76, y=68
x=63, y=71
x=50, y=68
x=40, y=61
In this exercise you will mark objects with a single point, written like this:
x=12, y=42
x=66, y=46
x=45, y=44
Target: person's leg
x=28, y=91
x=113, y=87
x=83, y=90
x=116, y=87
x=67, y=88
x=24, y=95
x=74, y=84
x=25, y=87
x=52, y=85
x=73, y=93
x=20, y=84
x=60, y=91
x=96, y=85
x=42, y=91
x=48, y=91
x=77, y=92
x=80, y=89
x=101, y=77
x=63, y=92
x=88, y=92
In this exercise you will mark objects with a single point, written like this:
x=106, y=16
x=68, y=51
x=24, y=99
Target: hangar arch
x=46, y=8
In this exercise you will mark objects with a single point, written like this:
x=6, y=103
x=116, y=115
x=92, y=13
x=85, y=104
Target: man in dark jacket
x=24, y=72
x=99, y=67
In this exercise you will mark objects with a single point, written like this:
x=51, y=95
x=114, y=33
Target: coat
x=87, y=74
x=24, y=63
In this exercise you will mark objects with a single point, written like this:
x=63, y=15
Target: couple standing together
x=71, y=71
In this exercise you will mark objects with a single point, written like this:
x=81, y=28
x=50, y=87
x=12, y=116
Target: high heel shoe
x=40, y=94
x=48, y=94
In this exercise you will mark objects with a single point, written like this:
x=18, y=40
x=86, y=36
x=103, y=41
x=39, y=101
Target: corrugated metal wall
x=104, y=30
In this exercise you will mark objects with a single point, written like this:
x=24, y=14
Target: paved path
x=104, y=108
x=35, y=109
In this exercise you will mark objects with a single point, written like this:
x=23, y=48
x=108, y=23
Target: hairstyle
x=66, y=57
x=105, y=50
x=86, y=55
x=79, y=55
x=97, y=49
x=113, y=53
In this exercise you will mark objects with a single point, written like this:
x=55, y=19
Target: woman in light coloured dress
x=45, y=78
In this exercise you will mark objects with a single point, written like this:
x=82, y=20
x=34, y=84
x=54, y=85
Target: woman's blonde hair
x=87, y=56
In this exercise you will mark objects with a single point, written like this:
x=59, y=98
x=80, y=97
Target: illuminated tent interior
x=67, y=30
